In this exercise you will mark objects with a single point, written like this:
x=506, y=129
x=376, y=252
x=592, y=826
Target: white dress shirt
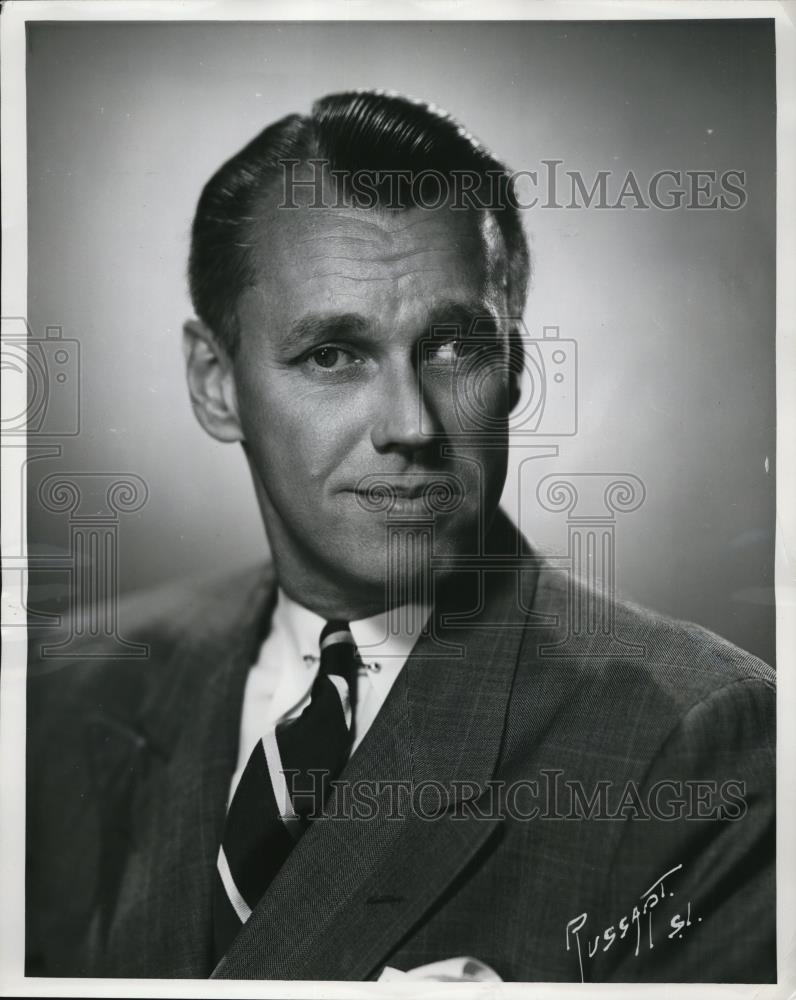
x=279, y=683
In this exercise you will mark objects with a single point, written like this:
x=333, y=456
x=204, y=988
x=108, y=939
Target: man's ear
x=210, y=382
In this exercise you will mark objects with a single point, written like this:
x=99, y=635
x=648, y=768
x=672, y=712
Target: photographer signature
x=630, y=923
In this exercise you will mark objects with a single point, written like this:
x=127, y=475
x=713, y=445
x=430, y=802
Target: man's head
x=355, y=273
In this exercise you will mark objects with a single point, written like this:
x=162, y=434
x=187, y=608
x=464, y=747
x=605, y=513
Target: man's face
x=336, y=390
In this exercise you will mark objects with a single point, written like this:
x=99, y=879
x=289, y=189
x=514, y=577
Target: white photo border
x=14, y=17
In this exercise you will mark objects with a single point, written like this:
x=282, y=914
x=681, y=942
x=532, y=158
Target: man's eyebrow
x=461, y=314
x=317, y=326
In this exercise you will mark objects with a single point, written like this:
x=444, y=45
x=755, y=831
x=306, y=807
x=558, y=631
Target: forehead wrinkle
x=418, y=216
x=403, y=254
x=326, y=224
x=391, y=278
x=384, y=258
x=351, y=277
x=385, y=225
x=319, y=237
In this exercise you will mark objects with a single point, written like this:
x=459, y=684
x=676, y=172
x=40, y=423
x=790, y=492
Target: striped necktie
x=284, y=784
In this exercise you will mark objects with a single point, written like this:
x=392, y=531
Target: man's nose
x=403, y=419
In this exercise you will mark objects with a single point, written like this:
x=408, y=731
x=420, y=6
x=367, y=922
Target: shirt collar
x=385, y=637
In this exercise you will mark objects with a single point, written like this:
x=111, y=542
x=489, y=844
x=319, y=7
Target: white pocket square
x=451, y=970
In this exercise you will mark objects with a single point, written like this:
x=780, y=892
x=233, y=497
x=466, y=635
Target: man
x=387, y=748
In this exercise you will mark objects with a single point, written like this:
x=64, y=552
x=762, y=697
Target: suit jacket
x=496, y=807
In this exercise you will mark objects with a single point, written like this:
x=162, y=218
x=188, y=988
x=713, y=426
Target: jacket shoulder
x=155, y=626
x=634, y=673
x=679, y=654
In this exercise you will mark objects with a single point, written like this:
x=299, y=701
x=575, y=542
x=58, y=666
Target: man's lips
x=408, y=491
x=405, y=492
x=430, y=495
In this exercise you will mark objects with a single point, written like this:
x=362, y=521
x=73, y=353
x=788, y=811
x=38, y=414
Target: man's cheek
x=478, y=403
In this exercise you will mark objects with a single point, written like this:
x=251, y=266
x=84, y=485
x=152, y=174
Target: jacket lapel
x=186, y=745
x=367, y=871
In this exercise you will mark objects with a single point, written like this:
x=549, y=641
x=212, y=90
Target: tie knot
x=338, y=651
x=334, y=632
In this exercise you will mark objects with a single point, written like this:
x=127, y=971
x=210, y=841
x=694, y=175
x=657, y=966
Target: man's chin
x=408, y=555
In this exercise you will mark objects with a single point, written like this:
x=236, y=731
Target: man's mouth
x=432, y=496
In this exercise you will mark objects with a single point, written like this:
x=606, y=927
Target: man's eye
x=331, y=358
x=446, y=353
x=452, y=351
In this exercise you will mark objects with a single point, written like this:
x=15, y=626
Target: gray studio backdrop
x=671, y=312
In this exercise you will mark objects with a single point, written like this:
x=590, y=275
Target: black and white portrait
x=390, y=487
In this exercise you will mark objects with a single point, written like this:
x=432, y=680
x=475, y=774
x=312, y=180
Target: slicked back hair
x=350, y=132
